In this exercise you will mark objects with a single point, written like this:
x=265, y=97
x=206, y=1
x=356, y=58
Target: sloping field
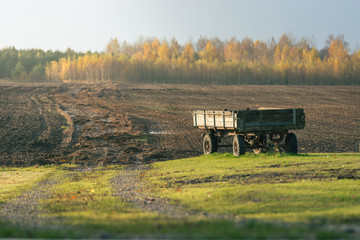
x=106, y=124
x=265, y=196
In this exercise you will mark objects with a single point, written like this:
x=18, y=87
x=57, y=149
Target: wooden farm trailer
x=259, y=130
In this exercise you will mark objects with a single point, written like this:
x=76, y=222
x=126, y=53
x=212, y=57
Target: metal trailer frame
x=259, y=130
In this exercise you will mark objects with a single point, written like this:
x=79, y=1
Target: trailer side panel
x=247, y=121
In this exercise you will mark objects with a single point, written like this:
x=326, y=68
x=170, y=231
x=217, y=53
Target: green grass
x=86, y=203
x=14, y=181
x=254, y=196
x=300, y=188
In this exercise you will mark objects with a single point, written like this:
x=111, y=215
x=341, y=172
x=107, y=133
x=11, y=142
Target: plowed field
x=110, y=124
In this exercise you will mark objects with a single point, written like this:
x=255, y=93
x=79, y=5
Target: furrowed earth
x=114, y=124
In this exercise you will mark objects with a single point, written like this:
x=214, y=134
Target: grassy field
x=217, y=196
x=14, y=181
x=304, y=188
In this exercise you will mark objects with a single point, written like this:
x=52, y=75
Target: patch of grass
x=79, y=191
x=86, y=202
x=298, y=188
x=14, y=181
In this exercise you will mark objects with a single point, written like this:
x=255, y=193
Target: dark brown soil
x=111, y=124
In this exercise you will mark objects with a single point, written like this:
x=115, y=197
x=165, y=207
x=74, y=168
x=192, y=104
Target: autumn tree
x=232, y=50
x=164, y=53
x=201, y=43
x=188, y=53
x=175, y=48
x=52, y=71
x=113, y=47
x=313, y=66
x=260, y=50
x=147, y=52
x=338, y=59
x=246, y=49
x=155, y=45
x=209, y=52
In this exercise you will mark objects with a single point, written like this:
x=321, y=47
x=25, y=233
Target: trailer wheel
x=291, y=145
x=238, y=145
x=209, y=144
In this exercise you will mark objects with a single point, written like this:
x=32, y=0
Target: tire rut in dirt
x=30, y=129
x=102, y=132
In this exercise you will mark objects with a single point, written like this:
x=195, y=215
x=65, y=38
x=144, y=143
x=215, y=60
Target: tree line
x=29, y=65
x=208, y=61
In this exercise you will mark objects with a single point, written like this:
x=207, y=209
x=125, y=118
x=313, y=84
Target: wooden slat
x=251, y=120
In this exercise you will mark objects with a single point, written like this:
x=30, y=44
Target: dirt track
x=106, y=124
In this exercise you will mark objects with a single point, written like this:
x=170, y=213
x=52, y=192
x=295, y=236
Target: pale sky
x=89, y=24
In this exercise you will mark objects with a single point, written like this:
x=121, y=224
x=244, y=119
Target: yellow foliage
x=232, y=62
x=209, y=53
x=147, y=52
x=188, y=53
x=232, y=51
x=164, y=53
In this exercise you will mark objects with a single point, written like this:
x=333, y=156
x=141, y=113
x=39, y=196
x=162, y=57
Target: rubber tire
x=238, y=145
x=291, y=144
x=209, y=144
